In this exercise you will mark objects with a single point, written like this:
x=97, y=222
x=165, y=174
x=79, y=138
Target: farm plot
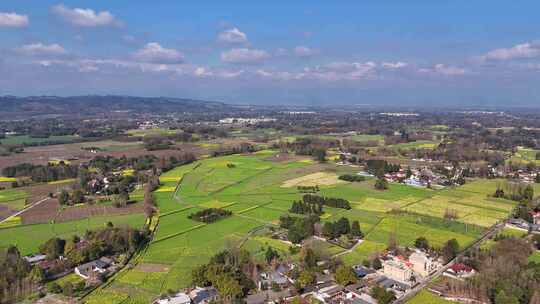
x=252, y=187
x=29, y=237
x=14, y=200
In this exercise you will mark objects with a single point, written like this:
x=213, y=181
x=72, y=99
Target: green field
x=29, y=237
x=253, y=190
x=13, y=199
x=426, y=297
x=524, y=155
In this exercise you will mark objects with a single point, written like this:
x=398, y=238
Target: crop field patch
x=314, y=179
x=29, y=237
x=362, y=252
x=258, y=189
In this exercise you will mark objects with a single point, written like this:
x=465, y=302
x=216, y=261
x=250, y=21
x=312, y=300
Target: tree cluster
x=210, y=215
x=298, y=228
x=42, y=173
x=334, y=230
x=352, y=178
x=326, y=201
x=225, y=273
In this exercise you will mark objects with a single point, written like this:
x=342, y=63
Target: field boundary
x=178, y=233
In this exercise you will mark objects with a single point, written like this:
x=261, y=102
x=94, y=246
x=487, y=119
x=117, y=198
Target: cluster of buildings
x=93, y=271
x=400, y=274
x=197, y=295
x=245, y=121
x=521, y=224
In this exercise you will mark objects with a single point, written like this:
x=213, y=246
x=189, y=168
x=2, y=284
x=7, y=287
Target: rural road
x=24, y=210
x=489, y=233
x=348, y=250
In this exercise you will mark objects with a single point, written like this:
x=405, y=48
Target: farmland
x=29, y=237
x=258, y=190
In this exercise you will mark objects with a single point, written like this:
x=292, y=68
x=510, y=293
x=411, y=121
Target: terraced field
x=252, y=188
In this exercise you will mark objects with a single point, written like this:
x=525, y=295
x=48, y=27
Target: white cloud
x=277, y=75
x=244, y=55
x=202, y=72
x=233, y=35
x=85, y=17
x=304, y=51
x=153, y=52
x=13, y=20
x=40, y=49
x=444, y=69
x=520, y=51
x=394, y=65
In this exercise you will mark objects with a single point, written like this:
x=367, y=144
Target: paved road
x=489, y=233
x=24, y=210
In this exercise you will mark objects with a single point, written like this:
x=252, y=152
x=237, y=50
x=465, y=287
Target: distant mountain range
x=52, y=105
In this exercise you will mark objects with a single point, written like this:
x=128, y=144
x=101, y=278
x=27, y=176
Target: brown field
x=147, y=267
x=51, y=210
x=41, y=155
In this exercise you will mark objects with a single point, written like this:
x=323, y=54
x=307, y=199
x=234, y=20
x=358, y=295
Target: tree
x=503, y=298
x=319, y=155
x=53, y=248
x=537, y=179
x=119, y=201
x=328, y=230
x=381, y=295
x=450, y=249
x=343, y=226
x=63, y=197
x=309, y=258
x=270, y=255
x=421, y=243
x=355, y=230
x=37, y=275
x=537, y=155
x=306, y=278
x=78, y=196
x=345, y=275
x=392, y=242
x=381, y=184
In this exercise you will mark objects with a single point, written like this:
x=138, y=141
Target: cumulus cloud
x=520, y=51
x=304, y=51
x=244, y=55
x=85, y=17
x=40, y=49
x=13, y=20
x=394, y=65
x=233, y=35
x=153, y=52
x=444, y=69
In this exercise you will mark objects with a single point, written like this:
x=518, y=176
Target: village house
x=518, y=223
x=330, y=293
x=397, y=269
x=270, y=296
x=459, y=271
x=421, y=264
x=99, y=267
x=362, y=271
x=179, y=298
x=35, y=258
x=203, y=295
x=358, y=294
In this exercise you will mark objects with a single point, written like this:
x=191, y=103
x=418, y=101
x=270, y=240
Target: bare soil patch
x=283, y=157
x=148, y=267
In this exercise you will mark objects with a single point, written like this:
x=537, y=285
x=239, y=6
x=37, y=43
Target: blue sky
x=286, y=52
